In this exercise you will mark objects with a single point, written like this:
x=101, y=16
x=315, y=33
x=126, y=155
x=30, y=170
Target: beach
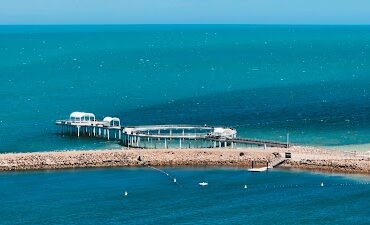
x=305, y=158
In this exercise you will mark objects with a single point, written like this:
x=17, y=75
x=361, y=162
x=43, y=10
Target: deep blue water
x=95, y=196
x=310, y=81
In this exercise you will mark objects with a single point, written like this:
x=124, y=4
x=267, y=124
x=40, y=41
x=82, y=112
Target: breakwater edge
x=306, y=158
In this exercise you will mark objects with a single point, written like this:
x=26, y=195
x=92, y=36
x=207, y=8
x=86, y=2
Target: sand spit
x=309, y=158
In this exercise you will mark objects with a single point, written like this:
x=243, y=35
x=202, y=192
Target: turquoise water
x=310, y=81
x=266, y=81
x=95, y=196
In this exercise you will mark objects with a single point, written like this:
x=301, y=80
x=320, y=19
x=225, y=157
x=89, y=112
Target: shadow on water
x=303, y=110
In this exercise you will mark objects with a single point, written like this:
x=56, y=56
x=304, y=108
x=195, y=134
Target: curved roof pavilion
x=81, y=117
x=112, y=121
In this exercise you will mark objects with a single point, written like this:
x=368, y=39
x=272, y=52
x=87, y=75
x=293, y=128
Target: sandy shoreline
x=306, y=158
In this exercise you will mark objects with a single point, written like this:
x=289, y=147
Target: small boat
x=203, y=183
x=258, y=169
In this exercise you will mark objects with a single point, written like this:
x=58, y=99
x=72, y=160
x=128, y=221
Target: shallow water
x=95, y=196
x=310, y=81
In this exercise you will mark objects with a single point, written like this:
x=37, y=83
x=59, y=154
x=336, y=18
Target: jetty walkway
x=157, y=136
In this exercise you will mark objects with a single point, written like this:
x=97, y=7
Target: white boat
x=262, y=169
x=203, y=183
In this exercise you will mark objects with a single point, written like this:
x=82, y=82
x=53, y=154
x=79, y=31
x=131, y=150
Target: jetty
x=157, y=136
x=85, y=124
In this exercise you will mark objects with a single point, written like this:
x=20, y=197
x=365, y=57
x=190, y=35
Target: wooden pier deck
x=91, y=129
x=258, y=142
x=85, y=124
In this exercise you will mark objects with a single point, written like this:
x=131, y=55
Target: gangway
x=277, y=161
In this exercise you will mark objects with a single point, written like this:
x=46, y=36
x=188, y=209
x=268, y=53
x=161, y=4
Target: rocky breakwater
x=132, y=158
x=311, y=158
x=307, y=158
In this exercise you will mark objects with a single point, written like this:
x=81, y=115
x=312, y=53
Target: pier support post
x=78, y=131
x=108, y=133
x=180, y=143
x=287, y=140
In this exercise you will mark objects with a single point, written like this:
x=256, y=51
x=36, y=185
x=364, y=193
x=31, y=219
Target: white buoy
x=126, y=193
x=245, y=186
x=203, y=183
x=174, y=180
x=322, y=184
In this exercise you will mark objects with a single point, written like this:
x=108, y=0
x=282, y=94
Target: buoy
x=126, y=193
x=322, y=184
x=174, y=180
x=245, y=186
x=203, y=183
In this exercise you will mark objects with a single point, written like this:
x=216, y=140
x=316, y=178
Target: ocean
x=266, y=81
x=96, y=196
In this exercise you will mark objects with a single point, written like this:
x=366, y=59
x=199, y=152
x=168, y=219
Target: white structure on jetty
x=112, y=121
x=177, y=136
x=80, y=117
x=156, y=136
x=85, y=124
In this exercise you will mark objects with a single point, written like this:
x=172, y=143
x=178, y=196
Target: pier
x=189, y=136
x=157, y=136
x=85, y=124
x=174, y=136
